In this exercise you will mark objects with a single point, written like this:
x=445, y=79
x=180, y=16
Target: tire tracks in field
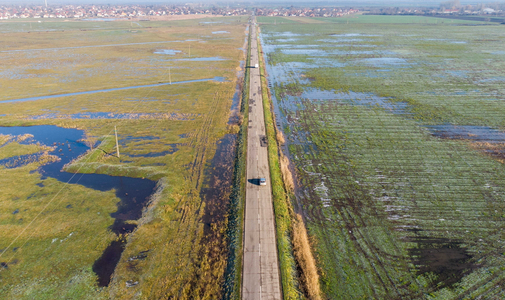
x=199, y=141
x=351, y=214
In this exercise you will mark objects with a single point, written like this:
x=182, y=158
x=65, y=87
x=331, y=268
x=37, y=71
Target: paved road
x=260, y=278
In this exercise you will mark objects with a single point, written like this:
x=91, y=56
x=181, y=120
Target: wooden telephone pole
x=117, y=145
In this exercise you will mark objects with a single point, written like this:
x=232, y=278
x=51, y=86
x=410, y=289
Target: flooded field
x=218, y=79
x=397, y=136
x=132, y=192
x=83, y=219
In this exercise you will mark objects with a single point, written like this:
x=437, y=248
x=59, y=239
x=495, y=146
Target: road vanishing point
x=260, y=272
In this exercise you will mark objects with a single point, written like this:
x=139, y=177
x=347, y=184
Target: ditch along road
x=260, y=272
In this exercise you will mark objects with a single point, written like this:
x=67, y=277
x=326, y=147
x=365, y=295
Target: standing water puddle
x=474, y=133
x=167, y=51
x=133, y=192
x=234, y=109
x=214, y=58
x=216, y=196
x=484, y=139
x=218, y=181
x=384, y=61
x=353, y=98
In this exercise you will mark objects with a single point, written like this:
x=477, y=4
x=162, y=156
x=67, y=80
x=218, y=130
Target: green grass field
x=396, y=210
x=50, y=249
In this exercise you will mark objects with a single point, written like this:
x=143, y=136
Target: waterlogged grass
x=379, y=196
x=455, y=70
x=394, y=211
x=15, y=149
x=54, y=232
x=56, y=62
x=55, y=250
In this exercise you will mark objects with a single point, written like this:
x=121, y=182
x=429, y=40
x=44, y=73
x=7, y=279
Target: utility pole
x=117, y=145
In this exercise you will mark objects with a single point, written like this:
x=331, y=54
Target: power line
x=136, y=107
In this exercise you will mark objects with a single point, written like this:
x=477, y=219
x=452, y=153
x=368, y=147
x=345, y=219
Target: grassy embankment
x=72, y=231
x=298, y=270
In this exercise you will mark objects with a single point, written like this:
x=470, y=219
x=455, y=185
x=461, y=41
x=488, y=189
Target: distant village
x=112, y=11
x=325, y=12
x=452, y=7
x=136, y=11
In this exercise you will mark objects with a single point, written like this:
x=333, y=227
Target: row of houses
x=111, y=11
x=480, y=9
x=306, y=12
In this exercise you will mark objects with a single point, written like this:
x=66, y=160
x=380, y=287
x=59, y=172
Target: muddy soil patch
x=447, y=260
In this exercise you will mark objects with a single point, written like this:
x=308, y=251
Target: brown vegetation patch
x=280, y=138
x=4, y=138
x=495, y=150
x=287, y=176
x=305, y=259
x=47, y=158
x=24, y=137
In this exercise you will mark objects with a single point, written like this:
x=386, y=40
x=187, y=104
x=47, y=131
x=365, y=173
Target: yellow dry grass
x=305, y=259
x=287, y=176
x=495, y=150
x=4, y=138
x=280, y=138
x=24, y=137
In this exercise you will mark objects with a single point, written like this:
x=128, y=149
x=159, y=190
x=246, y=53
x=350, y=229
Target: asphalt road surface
x=260, y=277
